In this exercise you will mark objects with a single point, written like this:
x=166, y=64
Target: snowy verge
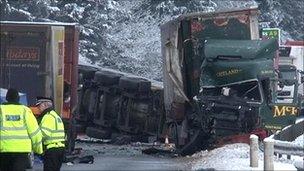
x=233, y=157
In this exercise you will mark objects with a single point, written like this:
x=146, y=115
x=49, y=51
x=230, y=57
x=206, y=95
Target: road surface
x=125, y=163
x=111, y=157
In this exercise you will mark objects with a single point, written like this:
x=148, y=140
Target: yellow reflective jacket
x=19, y=130
x=52, y=129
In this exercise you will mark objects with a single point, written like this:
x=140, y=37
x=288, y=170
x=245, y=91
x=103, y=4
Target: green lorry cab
x=239, y=87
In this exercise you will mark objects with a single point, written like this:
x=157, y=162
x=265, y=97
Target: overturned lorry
x=220, y=79
x=118, y=106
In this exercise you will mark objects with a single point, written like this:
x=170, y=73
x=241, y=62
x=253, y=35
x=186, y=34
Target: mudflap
x=199, y=140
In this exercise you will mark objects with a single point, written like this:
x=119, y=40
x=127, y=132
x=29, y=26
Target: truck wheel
x=135, y=84
x=107, y=78
x=121, y=139
x=92, y=101
x=194, y=143
x=85, y=101
x=98, y=133
x=80, y=128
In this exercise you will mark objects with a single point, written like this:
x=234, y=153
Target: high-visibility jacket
x=52, y=129
x=19, y=130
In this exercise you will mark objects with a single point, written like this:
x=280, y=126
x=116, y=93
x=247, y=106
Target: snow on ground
x=228, y=157
x=299, y=140
x=233, y=157
x=300, y=119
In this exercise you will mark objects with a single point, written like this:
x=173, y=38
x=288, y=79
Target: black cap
x=12, y=95
x=43, y=99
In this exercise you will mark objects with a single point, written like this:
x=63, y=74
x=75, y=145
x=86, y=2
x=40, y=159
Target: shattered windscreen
x=248, y=91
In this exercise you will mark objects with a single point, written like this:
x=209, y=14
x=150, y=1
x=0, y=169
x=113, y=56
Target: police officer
x=19, y=134
x=52, y=129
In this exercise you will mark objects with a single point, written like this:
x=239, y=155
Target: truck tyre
x=98, y=133
x=92, y=101
x=80, y=128
x=107, y=78
x=85, y=101
x=121, y=139
x=135, y=84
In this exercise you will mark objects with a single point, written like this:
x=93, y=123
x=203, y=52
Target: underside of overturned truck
x=113, y=103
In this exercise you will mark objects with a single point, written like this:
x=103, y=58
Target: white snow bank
x=300, y=119
x=299, y=140
x=232, y=157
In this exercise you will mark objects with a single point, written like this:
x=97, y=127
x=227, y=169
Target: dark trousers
x=14, y=161
x=53, y=159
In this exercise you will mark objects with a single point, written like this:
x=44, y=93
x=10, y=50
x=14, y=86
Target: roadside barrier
x=254, y=151
x=278, y=144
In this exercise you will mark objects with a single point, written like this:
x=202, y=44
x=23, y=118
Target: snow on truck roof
x=211, y=14
x=38, y=23
x=154, y=84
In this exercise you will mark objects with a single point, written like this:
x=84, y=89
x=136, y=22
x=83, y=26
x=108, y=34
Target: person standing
x=52, y=129
x=19, y=134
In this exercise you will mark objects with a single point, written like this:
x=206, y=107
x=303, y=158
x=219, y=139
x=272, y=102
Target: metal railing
x=279, y=144
x=283, y=141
